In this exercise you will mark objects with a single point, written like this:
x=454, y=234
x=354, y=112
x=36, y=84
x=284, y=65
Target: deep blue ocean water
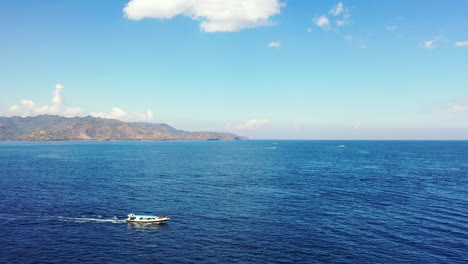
x=235, y=202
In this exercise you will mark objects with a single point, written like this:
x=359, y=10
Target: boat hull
x=147, y=221
x=133, y=218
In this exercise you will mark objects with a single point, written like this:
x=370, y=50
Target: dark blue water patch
x=240, y=202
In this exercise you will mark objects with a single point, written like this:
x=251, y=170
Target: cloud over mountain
x=252, y=124
x=27, y=107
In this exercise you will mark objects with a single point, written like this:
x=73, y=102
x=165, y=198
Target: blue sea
x=235, y=202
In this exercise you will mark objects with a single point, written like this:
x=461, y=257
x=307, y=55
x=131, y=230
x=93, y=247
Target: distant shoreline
x=59, y=128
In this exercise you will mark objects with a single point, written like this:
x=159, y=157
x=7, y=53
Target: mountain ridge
x=59, y=128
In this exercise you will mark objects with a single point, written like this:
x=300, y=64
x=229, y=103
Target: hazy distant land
x=55, y=128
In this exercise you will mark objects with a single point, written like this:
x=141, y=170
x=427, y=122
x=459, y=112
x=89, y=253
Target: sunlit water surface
x=235, y=202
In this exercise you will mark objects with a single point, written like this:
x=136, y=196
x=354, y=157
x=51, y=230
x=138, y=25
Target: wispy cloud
x=274, y=44
x=391, y=28
x=395, y=25
x=338, y=16
x=341, y=22
x=461, y=43
x=341, y=13
x=337, y=9
x=456, y=109
x=322, y=22
x=252, y=124
x=459, y=106
x=428, y=44
x=215, y=16
x=27, y=107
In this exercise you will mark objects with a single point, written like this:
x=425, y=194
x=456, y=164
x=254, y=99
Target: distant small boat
x=133, y=218
x=342, y=146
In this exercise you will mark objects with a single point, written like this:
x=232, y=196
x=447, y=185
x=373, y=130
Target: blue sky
x=261, y=68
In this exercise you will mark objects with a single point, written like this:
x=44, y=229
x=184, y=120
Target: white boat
x=133, y=218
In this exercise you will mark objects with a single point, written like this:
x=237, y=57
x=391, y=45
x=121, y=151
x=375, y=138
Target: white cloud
x=120, y=114
x=14, y=110
x=252, y=124
x=107, y=115
x=428, y=44
x=339, y=13
x=309, y=29
x=343, y=13
x=57, y=98
x=27, y=107
x=337, y=10
x=341, y=22
x=274, y=44
x=149, y=115
x=74, y=111
x=322, y=22
x=459, y=108
x=348, y=37
x=215, y=15
x=461, y=43
x=391, y=28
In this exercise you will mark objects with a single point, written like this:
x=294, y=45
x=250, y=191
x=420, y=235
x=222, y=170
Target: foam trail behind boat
x=113, y=220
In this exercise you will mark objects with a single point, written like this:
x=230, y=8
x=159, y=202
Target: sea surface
x=235, y=202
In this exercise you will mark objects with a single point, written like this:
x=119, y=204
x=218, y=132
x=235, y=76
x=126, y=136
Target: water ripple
x=235, y=202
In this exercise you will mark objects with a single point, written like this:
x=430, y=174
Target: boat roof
x=144, y=216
